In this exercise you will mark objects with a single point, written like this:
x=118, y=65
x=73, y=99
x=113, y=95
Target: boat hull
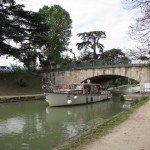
x=65, y=99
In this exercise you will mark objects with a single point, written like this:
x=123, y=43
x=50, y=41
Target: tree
x=56, y=40
x=140, y=30
x=85, y=56
x=66, y=59
x=115, y=56
x=17, y=27
x=91, y=41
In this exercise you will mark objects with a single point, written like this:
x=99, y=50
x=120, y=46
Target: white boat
x=78, y=93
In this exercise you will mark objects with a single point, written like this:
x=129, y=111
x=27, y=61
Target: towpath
x=132, y=134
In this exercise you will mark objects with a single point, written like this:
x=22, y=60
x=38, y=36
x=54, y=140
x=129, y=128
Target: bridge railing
x=86, y=64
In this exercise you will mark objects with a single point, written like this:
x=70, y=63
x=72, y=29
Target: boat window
x=78, y=87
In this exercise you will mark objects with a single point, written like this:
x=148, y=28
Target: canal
x=36, y=126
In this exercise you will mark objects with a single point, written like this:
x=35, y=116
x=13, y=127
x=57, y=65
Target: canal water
x=36, y=126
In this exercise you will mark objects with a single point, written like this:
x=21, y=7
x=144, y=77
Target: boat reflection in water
x=75, y=119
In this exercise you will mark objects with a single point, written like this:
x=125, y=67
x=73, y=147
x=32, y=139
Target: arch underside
x=104, y=78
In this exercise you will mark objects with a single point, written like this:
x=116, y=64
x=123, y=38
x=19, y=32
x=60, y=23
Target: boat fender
x=69, y=101
x=75, y=96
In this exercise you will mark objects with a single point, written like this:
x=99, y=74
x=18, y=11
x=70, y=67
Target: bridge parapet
x=86, y=64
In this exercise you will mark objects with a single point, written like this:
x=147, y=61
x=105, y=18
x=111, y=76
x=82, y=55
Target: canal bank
x=132, y=134
x=20, y=98
x=127, y=130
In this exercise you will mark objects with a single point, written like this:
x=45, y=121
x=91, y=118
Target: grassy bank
x=100, y=130
x=20, y=84
x=124, y=87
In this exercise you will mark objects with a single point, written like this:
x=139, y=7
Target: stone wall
x=10, y=99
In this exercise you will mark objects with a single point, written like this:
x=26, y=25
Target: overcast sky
x=91, y=15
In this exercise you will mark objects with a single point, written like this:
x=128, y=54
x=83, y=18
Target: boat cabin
x=82, y=88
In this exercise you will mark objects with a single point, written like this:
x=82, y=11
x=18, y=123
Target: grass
x=9, y=84
x=101, y=129
x=124, y=87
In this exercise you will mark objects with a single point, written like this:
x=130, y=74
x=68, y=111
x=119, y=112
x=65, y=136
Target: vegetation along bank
x=20, y=86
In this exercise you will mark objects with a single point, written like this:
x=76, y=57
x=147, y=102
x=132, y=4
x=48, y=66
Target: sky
x=90, y=15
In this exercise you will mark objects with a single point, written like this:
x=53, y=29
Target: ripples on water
x=36, y=126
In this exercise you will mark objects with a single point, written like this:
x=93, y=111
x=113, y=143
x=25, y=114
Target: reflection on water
x=11, y=125
x=75, y=119
x=36, y=126
x=131, y=90
x=126, y=105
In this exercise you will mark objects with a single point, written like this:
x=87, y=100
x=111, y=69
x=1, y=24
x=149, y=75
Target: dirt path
x=133, y=134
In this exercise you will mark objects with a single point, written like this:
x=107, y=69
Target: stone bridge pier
x=140, y=73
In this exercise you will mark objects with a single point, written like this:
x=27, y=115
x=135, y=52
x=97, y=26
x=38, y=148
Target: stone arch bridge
x=137, y=72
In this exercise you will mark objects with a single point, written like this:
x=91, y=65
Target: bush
x=17, y=69
x=135, y=102
x=121, y=97
x=22, y=82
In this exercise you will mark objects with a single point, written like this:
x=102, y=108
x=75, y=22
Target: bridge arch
x=104, y=78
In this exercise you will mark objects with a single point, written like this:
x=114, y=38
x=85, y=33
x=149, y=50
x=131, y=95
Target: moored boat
x=75, y=94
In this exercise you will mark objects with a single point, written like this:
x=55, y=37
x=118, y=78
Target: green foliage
x=113, y=53
x=66, y=59
x=121, y=97
x=114, y=56
x=135, y=102
x=19, y=26
x=123, y=81
x=21, y=82
x=30, y=60
x=138, y=102
x=17, y=69
x=57, y=38
x=86, y=55
x=91, y=41
x=48, y=30
x=8, y=85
